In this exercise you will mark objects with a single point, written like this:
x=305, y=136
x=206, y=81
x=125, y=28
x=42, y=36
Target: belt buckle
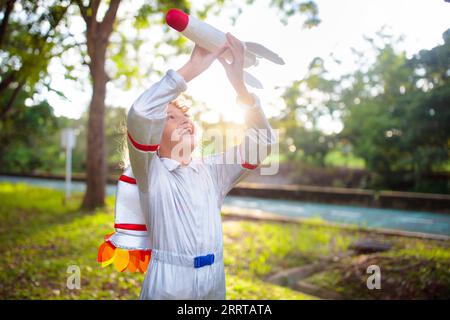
x=202, y=261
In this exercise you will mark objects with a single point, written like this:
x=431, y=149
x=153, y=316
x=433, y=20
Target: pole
x=68, y=141
x=68, y=170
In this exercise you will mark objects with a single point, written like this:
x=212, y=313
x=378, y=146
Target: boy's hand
x=235, y=69
x=200, y=60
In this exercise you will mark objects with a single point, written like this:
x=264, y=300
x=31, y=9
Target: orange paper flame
x=131, y=260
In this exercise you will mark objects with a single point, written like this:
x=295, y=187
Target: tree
x=29, y=39
x=307, y=100
x=401, y=129
x=31, y=35
x=394, y=112
x=97, y=36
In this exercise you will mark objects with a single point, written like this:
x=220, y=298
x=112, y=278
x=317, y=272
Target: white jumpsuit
x=181, y=204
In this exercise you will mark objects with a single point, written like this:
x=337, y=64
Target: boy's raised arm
x=236, y=162
x=145, y=123
x=259, y=136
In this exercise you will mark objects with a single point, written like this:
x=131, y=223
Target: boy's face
x=179, y=131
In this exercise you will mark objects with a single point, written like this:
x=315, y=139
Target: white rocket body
x=211, y=39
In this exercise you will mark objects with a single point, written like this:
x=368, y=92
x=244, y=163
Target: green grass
x=40, y=238
x=262, y=249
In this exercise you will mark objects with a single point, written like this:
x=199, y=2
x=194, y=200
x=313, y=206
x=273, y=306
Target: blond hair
x=181, y=102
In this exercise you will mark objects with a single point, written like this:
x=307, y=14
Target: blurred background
x=362, y=108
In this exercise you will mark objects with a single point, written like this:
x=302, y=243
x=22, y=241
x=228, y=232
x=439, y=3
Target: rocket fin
x=262, y=51
x=252, y=81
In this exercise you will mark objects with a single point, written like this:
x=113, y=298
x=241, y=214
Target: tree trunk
x=97, y=36
x=96, y=156
x=9, y=6
x=6, y=109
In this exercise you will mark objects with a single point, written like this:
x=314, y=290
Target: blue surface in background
x=418, y=221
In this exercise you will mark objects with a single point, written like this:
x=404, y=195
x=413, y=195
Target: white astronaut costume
x=174, y=210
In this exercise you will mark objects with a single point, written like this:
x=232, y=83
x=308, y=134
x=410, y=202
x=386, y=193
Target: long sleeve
x=145, y=123
x=235, y=163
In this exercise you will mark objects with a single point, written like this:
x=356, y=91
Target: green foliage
x=29, y=42
x=394, y=112
x=36, y=147
x=337, y=158
x=24, y=138
x=303, y=140
x=402, y=130
x=313, y=146
x=32, y=38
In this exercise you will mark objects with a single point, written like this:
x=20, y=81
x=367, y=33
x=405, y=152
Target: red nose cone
x=177, y=19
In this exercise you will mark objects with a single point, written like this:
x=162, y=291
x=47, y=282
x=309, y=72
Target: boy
x=180, y=198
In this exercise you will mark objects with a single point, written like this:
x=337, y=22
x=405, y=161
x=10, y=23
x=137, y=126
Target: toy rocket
x=210, y=38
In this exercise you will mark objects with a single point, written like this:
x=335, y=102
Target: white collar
x=172, y=164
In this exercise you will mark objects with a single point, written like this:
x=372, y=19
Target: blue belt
x=202, y=261
x=187, y=260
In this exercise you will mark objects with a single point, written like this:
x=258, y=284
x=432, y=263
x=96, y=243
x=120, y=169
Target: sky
x=344, y=23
